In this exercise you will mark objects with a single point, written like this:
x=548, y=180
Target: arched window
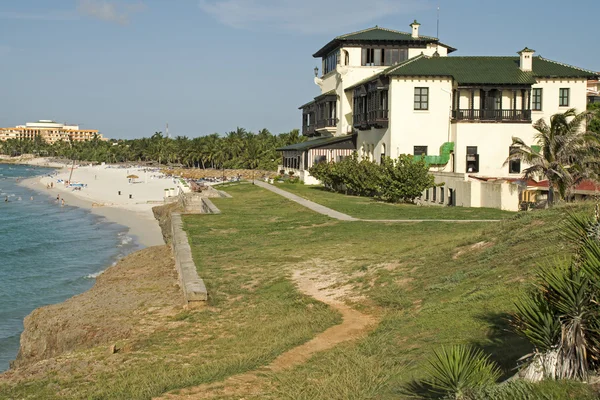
x=346, y=57
x=383, y=153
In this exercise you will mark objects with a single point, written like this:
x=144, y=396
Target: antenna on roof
x=438, y=22
x=437, y=34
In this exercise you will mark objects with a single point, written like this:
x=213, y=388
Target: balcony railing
x=326, y=123
x=371, y=119
x=492, y=115
x=308, y=130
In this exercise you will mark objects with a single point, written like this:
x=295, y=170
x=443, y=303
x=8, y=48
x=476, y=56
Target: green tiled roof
x=314, y=143
x=331, y=92
x=544, y=68
x=483, y=70
x=374, y=35
x=378, y=33
x=466, y=70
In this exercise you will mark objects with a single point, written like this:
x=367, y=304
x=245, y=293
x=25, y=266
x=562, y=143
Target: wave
x=95, y=275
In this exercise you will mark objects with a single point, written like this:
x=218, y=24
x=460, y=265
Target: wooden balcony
x=491, y=115
x=371, y=119
x=308, y=130
x=326, y=125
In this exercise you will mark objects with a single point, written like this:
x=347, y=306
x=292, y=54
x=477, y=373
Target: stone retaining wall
x=208, y=207
x=194, y=290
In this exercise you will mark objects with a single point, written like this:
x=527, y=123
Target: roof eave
x=325, y=50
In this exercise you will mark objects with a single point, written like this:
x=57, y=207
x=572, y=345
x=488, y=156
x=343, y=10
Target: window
x=441, y=195
x=330, y=62
x=320, y=159
x=420, y=150
x=377, y=57
x=434, y=194
x=427, y=195
x=563, y=97
x=536, y=99
x=421, y=98
x=514, y=166
x=472, y=159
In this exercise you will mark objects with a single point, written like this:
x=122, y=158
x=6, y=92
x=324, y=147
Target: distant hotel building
x=49, y=131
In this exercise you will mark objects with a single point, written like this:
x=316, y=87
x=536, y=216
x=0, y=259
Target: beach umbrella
x=132, y=177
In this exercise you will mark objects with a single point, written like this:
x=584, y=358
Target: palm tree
x=569, y=152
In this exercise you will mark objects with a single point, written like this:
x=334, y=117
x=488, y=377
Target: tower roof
x=376, y=35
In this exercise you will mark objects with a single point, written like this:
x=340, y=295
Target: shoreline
x=141, y=224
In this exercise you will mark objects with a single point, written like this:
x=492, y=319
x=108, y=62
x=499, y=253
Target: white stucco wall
x=493, y=141
x=375, y=139
x=469, y=192
x=410, y=127
x=428, y=51
x=550, y=97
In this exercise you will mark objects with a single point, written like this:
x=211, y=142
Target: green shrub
x=456, y=372
x=561, y=317
x=403, y=179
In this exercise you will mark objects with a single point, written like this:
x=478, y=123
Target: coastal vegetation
x=457, y=290
x=567, y=152
x=393, y=180
x=236, y=149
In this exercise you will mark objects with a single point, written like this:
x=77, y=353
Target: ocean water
x=48, y=253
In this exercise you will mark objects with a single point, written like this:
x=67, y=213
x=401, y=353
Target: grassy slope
x=366, y=208
x=406, y=274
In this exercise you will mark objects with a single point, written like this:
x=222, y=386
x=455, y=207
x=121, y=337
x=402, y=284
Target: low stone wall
x=194, y=290
x=208, y=207
x=196, y=203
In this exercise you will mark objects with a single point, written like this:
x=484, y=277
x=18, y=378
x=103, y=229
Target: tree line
x=237, y=149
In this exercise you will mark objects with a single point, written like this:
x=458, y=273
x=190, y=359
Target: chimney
x=415, y=29
x=526, y=61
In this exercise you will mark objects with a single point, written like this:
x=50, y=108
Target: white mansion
x=386, y=93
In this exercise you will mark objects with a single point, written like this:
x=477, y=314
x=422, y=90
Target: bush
x=392, y=180
x=561, y=317
x=456, y=372
x=404, y=179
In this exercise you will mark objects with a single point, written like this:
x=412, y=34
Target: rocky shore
x=128, y=302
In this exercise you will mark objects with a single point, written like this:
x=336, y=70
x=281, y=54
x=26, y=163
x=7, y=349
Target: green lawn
x=429, y=284
x=367, y=208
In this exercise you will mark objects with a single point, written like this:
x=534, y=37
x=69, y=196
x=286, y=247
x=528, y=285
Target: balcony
x=480, y=115
x=327, y=124
x=371, y=119
x=308, y=130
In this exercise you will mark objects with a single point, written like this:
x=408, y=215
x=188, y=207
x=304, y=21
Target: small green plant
x=561, y=318
x=456, y=372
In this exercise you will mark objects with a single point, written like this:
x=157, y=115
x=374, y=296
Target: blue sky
x=127, y=67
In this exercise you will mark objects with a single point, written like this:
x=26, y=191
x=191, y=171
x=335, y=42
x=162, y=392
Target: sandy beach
x=100, y=194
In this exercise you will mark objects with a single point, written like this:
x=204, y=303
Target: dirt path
x=354, y=325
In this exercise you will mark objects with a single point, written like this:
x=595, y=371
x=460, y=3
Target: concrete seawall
x=194, y=290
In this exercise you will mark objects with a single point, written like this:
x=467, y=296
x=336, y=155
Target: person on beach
x=6, y=199
x=57, y=197
x=63, y=203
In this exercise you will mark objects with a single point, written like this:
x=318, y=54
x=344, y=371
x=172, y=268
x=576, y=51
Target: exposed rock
x=119, y=306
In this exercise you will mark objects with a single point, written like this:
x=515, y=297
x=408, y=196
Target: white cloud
x=305, y=16
x=112, y=11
